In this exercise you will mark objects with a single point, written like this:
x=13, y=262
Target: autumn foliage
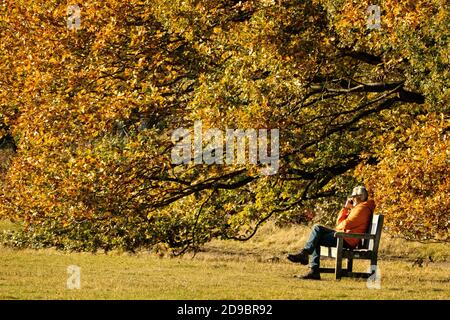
x=86, y=117
x=411, y=181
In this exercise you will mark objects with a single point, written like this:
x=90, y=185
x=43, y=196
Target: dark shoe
x=301, y=257
x=311, y=275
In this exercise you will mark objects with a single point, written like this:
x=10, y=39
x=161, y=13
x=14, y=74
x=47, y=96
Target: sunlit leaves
x=92, y=110
x=411, y=183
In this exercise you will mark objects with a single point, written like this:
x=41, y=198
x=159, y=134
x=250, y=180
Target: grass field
x=255, y=269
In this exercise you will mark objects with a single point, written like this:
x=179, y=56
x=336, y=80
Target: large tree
x=91, y=112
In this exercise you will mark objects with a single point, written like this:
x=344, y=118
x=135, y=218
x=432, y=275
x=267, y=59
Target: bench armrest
x=354, y=235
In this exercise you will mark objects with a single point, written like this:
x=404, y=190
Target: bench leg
x=338, y=269
x=350, y=265
x=373, y=265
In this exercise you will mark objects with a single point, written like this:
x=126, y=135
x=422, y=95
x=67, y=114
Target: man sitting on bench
x=353, y=218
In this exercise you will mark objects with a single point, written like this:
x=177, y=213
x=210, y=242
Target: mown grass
x=222, y=270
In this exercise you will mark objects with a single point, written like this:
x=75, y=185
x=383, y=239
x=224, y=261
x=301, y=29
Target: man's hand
x=349, y=204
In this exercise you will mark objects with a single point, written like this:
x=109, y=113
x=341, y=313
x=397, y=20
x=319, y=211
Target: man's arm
x=343, y=214
x=354, y=219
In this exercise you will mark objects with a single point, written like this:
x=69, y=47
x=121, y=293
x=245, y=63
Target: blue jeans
x=319, y=236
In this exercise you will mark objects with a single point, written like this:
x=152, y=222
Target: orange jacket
x=355, y=220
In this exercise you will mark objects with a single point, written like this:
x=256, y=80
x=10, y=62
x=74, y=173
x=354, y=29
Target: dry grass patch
x=255, y=269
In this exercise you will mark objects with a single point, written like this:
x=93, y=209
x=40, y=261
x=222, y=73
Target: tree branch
x=361, y=56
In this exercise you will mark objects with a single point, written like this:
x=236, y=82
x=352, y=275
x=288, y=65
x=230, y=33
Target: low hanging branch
x=190, y=242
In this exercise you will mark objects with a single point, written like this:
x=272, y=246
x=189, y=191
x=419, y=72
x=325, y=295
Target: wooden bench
x=367, y=250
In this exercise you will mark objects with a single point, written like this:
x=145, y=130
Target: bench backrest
x=374, y=228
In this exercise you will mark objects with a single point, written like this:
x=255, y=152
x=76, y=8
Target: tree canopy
x=90, y=113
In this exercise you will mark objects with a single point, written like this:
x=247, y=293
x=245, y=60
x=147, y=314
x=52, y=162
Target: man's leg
x=325, y=238
x=317, y=233
x=319, y=236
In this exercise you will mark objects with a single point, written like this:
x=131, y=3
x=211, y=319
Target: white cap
x=360, y=191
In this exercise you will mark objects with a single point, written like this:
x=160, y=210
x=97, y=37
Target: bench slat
x=354, y=235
